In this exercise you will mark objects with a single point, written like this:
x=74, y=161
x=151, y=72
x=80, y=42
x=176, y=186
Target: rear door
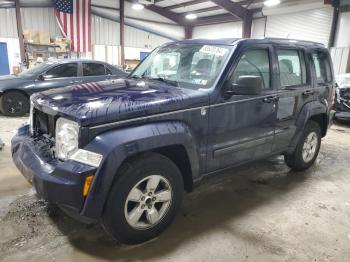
x=295, y=89
x=58, y=76
x=94, y=72
x=324, y=79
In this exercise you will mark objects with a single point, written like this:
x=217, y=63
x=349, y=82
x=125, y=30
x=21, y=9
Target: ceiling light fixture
x=137, y=6
x=191, y=16
x=272, y=2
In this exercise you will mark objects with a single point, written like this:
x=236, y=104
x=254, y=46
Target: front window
x=35, y=69
x=254, y=62
x=64, y=70
x=188, y=66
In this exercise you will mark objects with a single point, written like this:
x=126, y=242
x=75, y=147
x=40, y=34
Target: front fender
x=117, y=145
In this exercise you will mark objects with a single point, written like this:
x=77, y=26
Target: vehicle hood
x=12, y=81
x=110, y=101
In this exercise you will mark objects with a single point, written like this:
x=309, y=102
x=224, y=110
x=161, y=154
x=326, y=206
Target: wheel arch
x=316, y=111
x=174, y=140
x=14, y=90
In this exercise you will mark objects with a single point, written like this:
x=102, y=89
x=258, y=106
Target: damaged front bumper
x=57, y=182
x=342, y=103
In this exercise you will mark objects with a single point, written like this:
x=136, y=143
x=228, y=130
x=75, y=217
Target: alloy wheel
x=148, y=202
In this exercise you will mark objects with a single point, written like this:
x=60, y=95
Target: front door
x=241, y=128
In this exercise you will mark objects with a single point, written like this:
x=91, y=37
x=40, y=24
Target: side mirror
x=41, y=78
x=246, y=85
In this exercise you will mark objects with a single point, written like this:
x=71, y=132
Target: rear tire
x=14, y=103
x=307, y=149
x=144, y=199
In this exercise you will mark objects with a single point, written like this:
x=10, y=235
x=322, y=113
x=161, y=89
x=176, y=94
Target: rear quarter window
x=322, y=67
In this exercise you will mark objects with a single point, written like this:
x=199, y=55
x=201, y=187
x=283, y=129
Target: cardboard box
x=44, y=38
x=61, y=49
x=16, y=70
x=31, y=36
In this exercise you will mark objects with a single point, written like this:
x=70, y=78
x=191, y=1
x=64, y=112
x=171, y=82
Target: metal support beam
x=233, y=8
x=188, y=31
x=122, y=27
x=19, y=30
x=215, y=19
x=247, y=25
x=334, y=26
x=185, y=4
x=166, y=13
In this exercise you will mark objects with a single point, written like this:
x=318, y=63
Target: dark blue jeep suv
x=121, y=152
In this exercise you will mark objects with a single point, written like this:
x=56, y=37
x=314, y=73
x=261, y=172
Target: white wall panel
x=224, y=30
x=258, y=28
x=106, y=32
x=40, y=19
x=340, y=57
x=8, y=27
x=113, y=55
x=343, y=31
x=313, y=25
x=141, y=39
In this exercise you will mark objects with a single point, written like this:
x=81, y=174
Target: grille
x=43, y=124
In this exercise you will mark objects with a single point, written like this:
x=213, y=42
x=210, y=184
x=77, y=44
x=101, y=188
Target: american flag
x=89, y=87
x=74, y=20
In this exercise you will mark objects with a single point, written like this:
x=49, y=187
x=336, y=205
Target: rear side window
x=292, y=67
x=65, y=70
x=93, y=69
x=254, y=62
x=108, y=71
x=322, y=67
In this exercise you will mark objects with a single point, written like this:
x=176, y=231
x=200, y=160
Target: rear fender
x=309, y=110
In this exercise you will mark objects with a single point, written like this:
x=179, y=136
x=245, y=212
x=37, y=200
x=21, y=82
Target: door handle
x=270, y=99
x=309, y=92
x=75, y=81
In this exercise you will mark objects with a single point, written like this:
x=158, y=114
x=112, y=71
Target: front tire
x=14, y=103
x=144, y=199
x=307, y=149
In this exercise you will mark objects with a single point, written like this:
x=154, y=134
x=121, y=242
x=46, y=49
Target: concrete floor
x=259, y=212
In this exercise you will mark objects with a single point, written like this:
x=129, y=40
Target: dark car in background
x=342, y=97
x=15, y=90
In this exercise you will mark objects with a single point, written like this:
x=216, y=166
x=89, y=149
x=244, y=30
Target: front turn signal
x=87, y=184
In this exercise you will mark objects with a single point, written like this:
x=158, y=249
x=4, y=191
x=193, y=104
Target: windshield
x=184, y=65
x=34, y=70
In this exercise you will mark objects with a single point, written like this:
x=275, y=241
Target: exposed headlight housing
x=67, y=138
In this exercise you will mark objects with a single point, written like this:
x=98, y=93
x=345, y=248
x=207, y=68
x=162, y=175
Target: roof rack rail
x=294, y=40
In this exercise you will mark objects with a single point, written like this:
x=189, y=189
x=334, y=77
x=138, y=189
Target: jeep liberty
x=122, y=152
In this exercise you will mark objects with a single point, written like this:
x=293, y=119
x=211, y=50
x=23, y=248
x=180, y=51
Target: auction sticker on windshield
x=213, y=50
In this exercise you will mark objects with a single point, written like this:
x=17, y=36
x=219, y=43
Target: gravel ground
x=258, y=212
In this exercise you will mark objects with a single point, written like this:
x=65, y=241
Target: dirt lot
x=259, y=212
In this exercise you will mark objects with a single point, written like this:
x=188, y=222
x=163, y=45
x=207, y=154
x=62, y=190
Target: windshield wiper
x=162, y=79
x=135, y=77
